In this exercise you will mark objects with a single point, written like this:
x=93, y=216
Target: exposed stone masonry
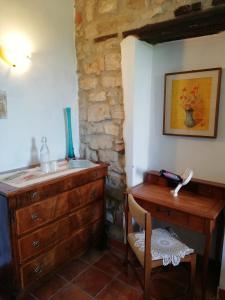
x=101, y=109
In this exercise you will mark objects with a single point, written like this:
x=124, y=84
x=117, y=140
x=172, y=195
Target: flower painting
x=191, y=102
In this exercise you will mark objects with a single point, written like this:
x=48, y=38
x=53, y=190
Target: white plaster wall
x=37, y=97
x=205, y=156
x=128, y=63
x=136, y=74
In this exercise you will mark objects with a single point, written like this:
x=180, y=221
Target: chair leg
x=192, y=281
x=147, y=283
x=126, y=258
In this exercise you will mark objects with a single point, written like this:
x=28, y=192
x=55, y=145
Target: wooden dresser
x=46, y=224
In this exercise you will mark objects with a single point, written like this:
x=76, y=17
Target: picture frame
x=3, y=105
x=191, y=103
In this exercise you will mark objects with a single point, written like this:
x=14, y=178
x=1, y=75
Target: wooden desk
x=197, y=207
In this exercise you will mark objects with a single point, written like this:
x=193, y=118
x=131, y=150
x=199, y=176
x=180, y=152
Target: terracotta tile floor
x=101, y=276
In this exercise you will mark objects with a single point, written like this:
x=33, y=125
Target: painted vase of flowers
x=189, y=121
x=190, y=100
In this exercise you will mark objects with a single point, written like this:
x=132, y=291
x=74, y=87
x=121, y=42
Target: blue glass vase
x=70, y=149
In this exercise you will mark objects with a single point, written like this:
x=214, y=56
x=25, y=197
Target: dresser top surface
x=10, y=190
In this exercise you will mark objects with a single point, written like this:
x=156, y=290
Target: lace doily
x=164, y=246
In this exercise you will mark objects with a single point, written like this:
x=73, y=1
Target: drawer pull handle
x=34, y=216
x=34, y=195
x=38, y=270
x=36, y=244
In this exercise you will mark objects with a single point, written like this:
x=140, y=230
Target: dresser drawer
x=45, y=263
x=87, y=193
x=86, y=215
x=73, y=246
x=38, y=241
x=58, y=186
x=33, y=216
x=89, y=237
x=40, y=213
x=34, y=243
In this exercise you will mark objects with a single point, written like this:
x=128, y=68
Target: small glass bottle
x=44, y=155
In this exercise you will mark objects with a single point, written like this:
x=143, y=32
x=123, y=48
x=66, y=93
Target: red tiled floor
x=28, y=297
x=92, y=256
x=128, y=276
x=110, y=264
x=92, y=280
x=119, y=291
x=49, y=288
x=72, y=269
x=106, y=279
x=170, y=282
x=71, y=292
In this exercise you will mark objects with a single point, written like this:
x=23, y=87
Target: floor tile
x=92, y=280
x=128, y=276
x=71, y=270
x=117, y=290
x=109, y=264
x=28, y=297
x=71, y=292
x=48, y=288
x=92, y=256
x=165, y=286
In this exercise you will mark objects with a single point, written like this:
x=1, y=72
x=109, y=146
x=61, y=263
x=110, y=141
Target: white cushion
x=164, y=245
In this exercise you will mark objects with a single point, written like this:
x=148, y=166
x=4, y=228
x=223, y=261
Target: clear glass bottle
x=44, y=155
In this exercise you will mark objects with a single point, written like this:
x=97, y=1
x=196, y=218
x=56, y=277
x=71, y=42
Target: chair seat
x=164, y=245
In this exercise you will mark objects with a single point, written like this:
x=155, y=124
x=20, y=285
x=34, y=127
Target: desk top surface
x=186, y=201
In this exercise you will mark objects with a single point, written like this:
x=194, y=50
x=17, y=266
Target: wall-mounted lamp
x=15, y=50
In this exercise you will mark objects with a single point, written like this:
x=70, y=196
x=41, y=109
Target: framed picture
x=3, y=105
x=191, y=103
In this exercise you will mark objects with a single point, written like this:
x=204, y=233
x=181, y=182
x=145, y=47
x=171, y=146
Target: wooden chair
x=143, y=219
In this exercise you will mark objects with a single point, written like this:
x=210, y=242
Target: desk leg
x=205, y=264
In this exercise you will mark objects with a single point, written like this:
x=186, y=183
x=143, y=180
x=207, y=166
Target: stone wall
x=101, y=110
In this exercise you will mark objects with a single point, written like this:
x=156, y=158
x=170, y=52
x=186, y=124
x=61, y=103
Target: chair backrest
x=143, y=218
x=137, y=212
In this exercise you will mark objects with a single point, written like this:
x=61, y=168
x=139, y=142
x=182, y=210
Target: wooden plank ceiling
x=206, y=22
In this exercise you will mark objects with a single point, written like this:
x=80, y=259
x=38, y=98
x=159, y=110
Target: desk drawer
x=166, y=214
x=175, y=217
x=170, y=215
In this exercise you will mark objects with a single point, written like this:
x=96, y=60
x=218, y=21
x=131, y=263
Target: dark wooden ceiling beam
x=206, y=22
